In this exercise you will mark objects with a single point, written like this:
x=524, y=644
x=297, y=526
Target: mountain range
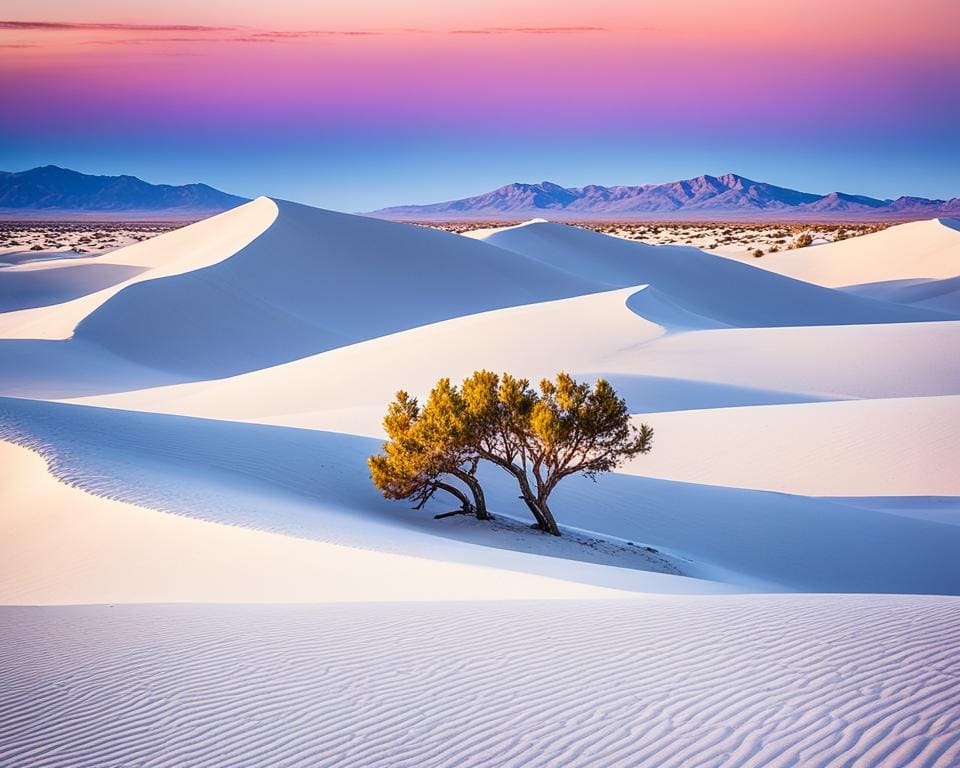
x=727, y=197
x=51, y=192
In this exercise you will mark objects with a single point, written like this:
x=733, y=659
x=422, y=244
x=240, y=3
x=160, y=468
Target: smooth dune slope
x=940, y=295
x=39, y=285
x=182, y=250
x=265, y=283
x=709, y=290
x=302, y=483
x=734, y=682
x=344, y=383
x=75, y=548
x=592, y=335
x=897, y=447
x=835, y=362
x=314, y=280
x=39, y=354
x=918, y=250
x=314, y=484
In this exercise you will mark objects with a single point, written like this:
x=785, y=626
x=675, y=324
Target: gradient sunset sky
x=355, y=106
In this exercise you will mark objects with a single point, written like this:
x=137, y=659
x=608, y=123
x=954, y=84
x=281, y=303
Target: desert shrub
x=539, y=436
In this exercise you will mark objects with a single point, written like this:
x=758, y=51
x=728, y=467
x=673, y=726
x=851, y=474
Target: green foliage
x=538, y=436
x=397, y=471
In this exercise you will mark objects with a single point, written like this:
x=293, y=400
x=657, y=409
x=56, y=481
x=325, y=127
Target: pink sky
x=571, y=72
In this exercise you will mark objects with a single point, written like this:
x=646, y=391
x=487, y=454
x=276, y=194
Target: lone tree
x=539, y=437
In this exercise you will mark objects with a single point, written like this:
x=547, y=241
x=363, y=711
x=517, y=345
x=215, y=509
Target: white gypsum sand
x=220, y=405
x=752, y=682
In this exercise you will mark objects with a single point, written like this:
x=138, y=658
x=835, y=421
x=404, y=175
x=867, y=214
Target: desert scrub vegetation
x=539, y=436
x=708, y=235
x=79, y=237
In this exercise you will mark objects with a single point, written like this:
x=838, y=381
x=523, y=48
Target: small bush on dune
x=538, y=436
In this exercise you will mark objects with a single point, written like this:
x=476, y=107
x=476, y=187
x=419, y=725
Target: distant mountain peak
x=728, y=196
x=57, y=192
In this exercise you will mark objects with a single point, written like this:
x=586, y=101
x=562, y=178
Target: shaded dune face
x=315, y=280
x=305, y=281
x=314, y=484
x=940, y=295
x=23, y=289
x=694, y=288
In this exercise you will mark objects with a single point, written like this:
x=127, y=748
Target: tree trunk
x=535, y=511
x=539, y=509
x=456, y=492
x=526, y=493
x=550, y=522
x=479, y=501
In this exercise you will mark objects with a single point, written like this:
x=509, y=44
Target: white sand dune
x=940, y=295
x=172, y=253
x=703, y=285
x=312, y=281
x=804, y=443
x=921, y=249
x=314, y=484
x=751, y=682
x=592, y=335
x=38, y=285
x=75, y=548
x=835, y=362
x=573, y=332
x=266, y=283
x=899, y=447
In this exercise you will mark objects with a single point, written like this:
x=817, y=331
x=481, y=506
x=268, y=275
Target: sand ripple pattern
x=742, y=681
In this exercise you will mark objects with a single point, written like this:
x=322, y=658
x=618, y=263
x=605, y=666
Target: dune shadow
x=27, y=289
x=316, y=485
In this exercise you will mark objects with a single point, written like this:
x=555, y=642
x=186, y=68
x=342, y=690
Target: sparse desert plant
x=538, y=436
x=804, y=240
x=757, y=253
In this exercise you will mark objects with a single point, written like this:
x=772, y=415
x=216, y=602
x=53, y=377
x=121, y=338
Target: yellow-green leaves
x=539, y=436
